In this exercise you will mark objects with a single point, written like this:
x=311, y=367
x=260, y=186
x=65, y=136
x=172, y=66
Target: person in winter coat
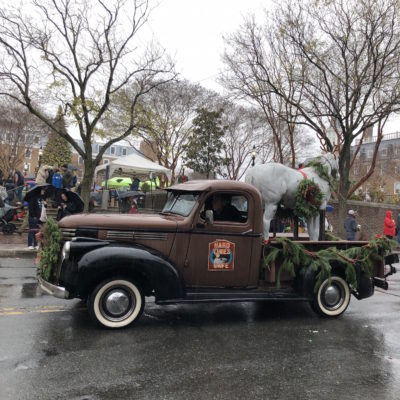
x=398, y=228
x=56, y=182
x=19, y=183
x=67, y=177
x=35, y=205
x=389, y=226
x=42, y=175
x=350, y=225
x=66, y=207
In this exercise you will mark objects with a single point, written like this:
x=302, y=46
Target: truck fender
x=147, y=267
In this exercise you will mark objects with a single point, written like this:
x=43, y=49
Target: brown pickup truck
x=205, y=246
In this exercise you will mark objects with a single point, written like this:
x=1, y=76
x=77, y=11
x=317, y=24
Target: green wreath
x=308, y=199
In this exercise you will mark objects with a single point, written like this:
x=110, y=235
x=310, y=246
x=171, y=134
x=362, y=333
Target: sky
x=192, y=32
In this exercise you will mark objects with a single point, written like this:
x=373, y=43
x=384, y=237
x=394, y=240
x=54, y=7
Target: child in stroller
x=7, y=213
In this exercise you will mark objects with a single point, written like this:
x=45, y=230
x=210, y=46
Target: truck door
x=219, y=254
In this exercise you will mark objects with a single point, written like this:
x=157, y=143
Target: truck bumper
x=54, y=290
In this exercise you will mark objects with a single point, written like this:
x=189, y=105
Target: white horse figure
x=276, y=182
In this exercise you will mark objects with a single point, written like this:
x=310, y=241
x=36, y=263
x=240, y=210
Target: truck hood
x=145, y=222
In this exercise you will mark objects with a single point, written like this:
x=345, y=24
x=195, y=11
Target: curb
x=18, y=253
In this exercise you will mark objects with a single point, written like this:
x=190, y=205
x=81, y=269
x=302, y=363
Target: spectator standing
x=42, y=175
x=135, y=183
x=351, y=226
x=35, y=205
x=389, y=226
x=56, y=183
x=398, y=228
x=9, y=184
x=19, y=182
x=67, y=177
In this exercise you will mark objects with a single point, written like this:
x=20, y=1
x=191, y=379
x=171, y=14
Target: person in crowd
x=35, y=205
x=42, y=175
x=19, y=183
x=67, y=177
x=9, y=185
x=66, y=207
x=398, y=228
x=351, y=226
x=56, y=183
x=74, y=181
x=389, y=226
x=135, y=183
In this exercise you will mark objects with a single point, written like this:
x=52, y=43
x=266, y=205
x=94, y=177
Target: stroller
x=6, y=215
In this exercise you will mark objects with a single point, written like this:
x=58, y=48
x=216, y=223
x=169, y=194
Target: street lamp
x=40, y=157
x=253, y=156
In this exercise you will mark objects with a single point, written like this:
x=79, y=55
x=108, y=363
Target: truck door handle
x=247, y=232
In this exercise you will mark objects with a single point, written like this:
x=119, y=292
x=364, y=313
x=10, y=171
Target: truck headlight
x=65, y=251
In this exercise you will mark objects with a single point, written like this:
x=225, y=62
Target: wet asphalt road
x=50, y=350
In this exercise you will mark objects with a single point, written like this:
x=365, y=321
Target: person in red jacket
x=389, y=226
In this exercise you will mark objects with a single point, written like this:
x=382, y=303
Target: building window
x=27, y=167
x=36, y=140
x=369, y=153
x=124, y=152
x=28, y=153
x=80, y=160
x=397, y=188
x=384, y=152
x=106, y=161
x=112, y=150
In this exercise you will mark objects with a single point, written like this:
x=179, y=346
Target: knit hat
x=351, y=212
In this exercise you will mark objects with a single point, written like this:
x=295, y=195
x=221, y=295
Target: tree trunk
x=86, y=183
x=344, y=186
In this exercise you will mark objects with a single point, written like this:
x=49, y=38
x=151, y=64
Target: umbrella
x=74, y=197
x=134, y=193
x=35, y=191
x=329, y=208
x=117, y=182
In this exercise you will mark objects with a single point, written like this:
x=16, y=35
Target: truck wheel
x=116, y=303
x=332, y=299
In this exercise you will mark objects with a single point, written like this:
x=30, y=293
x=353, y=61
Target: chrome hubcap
x=117, y=304
x=332, y=295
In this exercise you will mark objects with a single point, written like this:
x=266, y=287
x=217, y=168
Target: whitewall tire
x=116, y=303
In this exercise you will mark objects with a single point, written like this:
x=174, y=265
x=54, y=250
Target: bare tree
x=345, y=54
x=20, y=131
x=168, y=112
x=247, y=57
x=245, y=133
x=79, y=54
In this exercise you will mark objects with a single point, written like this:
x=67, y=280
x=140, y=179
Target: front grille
x=68, y=233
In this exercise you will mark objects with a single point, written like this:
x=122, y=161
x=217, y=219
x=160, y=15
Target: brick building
x=386, y=177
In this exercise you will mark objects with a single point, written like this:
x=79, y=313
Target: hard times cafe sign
x=221, y=255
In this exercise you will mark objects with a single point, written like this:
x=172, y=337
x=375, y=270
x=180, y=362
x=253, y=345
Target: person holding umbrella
x=71, y=203
x=36, y=202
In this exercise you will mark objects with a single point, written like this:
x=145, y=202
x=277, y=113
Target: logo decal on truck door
x=221, y=255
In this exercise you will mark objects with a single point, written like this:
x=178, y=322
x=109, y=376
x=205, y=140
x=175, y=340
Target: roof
x=207, y=185
x=134, y=164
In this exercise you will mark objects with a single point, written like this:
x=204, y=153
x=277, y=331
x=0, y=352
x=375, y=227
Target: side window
x=227, y=207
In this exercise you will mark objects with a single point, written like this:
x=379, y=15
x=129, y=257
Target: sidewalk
x=15, y=246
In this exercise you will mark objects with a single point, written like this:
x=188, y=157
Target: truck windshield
x=180, y=203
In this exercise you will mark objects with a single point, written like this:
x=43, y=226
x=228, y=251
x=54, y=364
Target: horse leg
x=269, y=212
x=313, y=227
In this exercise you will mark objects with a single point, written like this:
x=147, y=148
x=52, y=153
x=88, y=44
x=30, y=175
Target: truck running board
x=218, y=296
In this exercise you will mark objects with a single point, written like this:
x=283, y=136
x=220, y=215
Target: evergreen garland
x=294, y=258
x=50, y=248
x=308, y=198
x=323, y=172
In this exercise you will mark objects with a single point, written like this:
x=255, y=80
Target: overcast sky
x=191, y=31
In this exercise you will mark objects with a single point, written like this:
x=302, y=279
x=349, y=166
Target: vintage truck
x=189, y=254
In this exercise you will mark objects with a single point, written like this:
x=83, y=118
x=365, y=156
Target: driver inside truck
x=224, y=210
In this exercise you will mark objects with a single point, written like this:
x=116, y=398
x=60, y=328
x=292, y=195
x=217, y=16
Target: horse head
x=327, y=160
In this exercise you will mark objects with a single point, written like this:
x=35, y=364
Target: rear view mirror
x=209, y=217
